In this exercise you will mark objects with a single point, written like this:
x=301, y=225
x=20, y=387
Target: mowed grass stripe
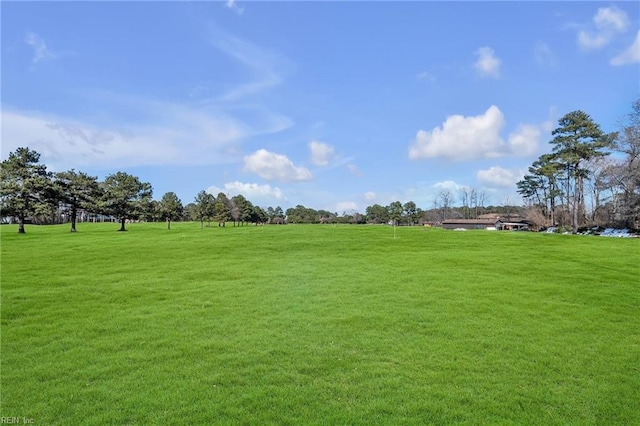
x=318, y=325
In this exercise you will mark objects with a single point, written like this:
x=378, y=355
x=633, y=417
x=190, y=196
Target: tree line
x=30, y=193
x=590, y=178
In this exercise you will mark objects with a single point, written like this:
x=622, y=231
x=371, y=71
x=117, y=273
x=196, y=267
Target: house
x=492, y=224
x=513, y=225
x=470, y=223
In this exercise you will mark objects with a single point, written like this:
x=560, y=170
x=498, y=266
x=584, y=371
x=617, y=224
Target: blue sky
x=332, y=105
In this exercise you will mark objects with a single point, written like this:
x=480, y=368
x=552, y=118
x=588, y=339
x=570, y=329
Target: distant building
x=470, y=223
x=487, y=224
x=512, y=225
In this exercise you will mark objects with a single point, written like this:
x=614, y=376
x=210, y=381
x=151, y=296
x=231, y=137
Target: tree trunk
x=552, y=203
x=21, y=225
x=168, y=223
x=122, y=225
x=201, y=224
x=577, y=198
x=574, y=208
x=582, y=207
x=574, y=218
x=74, y=216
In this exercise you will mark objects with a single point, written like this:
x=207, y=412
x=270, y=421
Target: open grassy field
x=317, y=325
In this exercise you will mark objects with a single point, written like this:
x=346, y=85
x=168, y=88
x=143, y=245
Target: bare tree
x=598, y=187
x=627, y=142
x=464, y=191
x=508, y=206
x=482, y=195
x=446, y=199
x=473, y=201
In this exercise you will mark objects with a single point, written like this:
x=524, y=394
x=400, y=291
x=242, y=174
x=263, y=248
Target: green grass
x=317, y=325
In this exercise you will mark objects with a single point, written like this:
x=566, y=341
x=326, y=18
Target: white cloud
x=488, y=64
x=251, y=191
x=608, y=21
x=630, y=56
x=462, y=138
x=232, y=5
x=369, y=196
x=470, y=138
x=543, y=54
x=40, y=49
x=611, y=18
x=321, y=153
x=275, y=167
x=592, y=42
x=498, y=176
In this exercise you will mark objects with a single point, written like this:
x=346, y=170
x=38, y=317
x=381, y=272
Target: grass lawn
x=317, y=325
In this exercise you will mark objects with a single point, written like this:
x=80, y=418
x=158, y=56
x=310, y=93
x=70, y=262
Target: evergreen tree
x=77, y=190
x=170, y=207
x=25, y=185
x=124, y=195
x=577, y=140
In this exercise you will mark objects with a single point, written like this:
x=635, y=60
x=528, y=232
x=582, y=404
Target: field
x=317, y=325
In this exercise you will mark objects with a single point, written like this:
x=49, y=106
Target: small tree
x=377, y=214
x=395, y=211
x=123, y=196
x=258, y=215
x=410, y=212
x=190, y=212
x=278, y=212
x=77, y=190
x=150, y=210
x=446, y=199
x=244, y=208
x=222, y=209
x=170, y=207
x=25, y=185
x=204, y=207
